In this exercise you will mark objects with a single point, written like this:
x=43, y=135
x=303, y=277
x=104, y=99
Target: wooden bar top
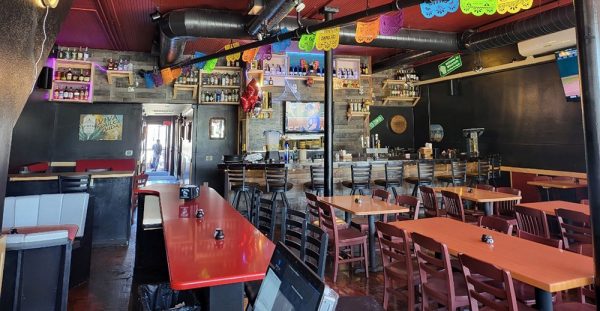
x=195, y=258
x=549, y=207
x=557, y=184
x=479, y=195
x=538, y=265
x=54, y=176
x=368, y=205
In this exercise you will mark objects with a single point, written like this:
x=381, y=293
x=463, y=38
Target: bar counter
x=110, y=194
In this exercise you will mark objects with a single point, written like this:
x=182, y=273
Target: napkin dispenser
x=189, y=192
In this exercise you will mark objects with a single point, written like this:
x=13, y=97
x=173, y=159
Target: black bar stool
x=495, y=166
x=361, y=179
x=236, y=179
x=458, y=175
x=483, y=173
x=425, y=170
x=277, y=184
x=317, y=180
x=394, y=172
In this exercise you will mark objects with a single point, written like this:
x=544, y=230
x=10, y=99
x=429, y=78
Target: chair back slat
x=532, y=221
x=276, y=177
x=575, y=229
x=394, y=245
x=236, y=174
x=485, y=187
x=496, y=224
x=453, y=205
x=412, y=203
x=381, y=194
x=315, y=249
x=538, y=239
x=430, y=203
x=507, y=208
x=266, y=218
x=459, y=172
x=394, y=172
x=361, y=174
x=425, y=171
x=327, y=220
x=295, y=226
x=317, y=176
x=311, y=205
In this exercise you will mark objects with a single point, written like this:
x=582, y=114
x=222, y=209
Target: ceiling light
x=50, y=3
x=155, y=16
x=300, y=7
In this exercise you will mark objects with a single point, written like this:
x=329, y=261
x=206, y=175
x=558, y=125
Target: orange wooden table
x=480, y=196
x=546, y=185
x=545, y=268
x=197, y=260
x=369, y=207
x=549, y=207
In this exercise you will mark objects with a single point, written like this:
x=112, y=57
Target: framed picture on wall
x=216, y=129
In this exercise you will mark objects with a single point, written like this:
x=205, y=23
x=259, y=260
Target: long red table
x=196, y=260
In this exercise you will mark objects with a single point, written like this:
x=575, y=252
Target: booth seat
x=69, y=212
x=112, y=164
x=36, y=271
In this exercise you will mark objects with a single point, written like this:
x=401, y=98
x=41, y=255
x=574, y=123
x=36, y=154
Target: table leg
x=488, y=208
x=543, y=300
x=347, y=217
x=223, y=297
x=372, y=257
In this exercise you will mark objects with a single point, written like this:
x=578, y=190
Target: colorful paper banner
x=307, y=42
x=232, y=57
x=479, y=7
x=210, y=65
x=264, y=52
x=513, y=6
x=438, y=8
x=199, y=65
x=391, y=23
x=249, y=55
x=328, y=39
x=366, y=31
x=281, y=46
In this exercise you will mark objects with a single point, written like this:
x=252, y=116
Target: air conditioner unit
x=548, y=43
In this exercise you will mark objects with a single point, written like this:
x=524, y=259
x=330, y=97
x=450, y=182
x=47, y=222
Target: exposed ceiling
x=126, y=25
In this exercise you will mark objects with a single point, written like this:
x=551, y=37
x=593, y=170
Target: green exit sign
x=375, y=122
x=450, y=65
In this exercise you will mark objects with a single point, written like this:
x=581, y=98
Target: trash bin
x=154, y=297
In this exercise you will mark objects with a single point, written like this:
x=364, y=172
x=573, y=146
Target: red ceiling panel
x=233, y=5
x=84, y=27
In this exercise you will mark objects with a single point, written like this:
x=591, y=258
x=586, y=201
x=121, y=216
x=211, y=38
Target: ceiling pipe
x=272, y=13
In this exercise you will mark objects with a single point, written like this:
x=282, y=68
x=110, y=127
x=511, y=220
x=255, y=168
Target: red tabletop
x=195, y=258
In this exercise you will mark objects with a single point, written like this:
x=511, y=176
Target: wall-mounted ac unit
x=548, y=43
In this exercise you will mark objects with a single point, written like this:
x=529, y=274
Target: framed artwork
x=100, y=127
x=216, y=128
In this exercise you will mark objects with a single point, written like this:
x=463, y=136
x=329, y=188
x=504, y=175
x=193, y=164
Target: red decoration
x=250, y=96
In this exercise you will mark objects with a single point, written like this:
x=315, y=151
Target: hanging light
x=50, y=3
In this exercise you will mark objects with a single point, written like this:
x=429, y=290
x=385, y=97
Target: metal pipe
x=587, y=14
x=328, y=139
x=348, y=19
x=265, y=15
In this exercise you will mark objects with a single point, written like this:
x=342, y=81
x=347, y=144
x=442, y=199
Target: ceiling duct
x=271, y=15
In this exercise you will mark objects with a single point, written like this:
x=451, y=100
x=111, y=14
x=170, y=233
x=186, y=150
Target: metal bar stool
x=277, y=184
x=483, y=173
x=394, y=172
x=236, y=179
x=425, y=171
x=458, y=175
x=361, y=179
x=317, y=180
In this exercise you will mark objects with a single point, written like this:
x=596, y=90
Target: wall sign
x=450, y=65
x=398, y=124
x=216, y=129
x=375, y=122
x=100, y=127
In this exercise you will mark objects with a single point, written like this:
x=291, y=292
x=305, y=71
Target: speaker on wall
x=44, y=80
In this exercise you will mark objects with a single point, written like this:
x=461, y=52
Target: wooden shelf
x=72, y=82
x=71, y=100
x=411, y=101
x=219, y=103
x=185, y=87
x=357, y=114
x=79, y=65
x=206, y=86
x=69, y=63
x=224, y=68
x=110, y=74
x=397, y=82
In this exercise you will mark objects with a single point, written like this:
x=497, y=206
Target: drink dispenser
x=272, y=144
x=472, y=137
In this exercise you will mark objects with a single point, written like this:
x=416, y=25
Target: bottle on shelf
x=80, y=54
x=86, y=54
x=69, y=75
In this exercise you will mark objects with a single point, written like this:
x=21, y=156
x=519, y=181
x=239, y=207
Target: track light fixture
x=155, y=16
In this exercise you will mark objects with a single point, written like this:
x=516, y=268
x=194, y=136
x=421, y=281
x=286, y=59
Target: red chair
x=455, y=210
x=362, y=223
x=532, y=221
x=496, y=224
x=506, y=209
x=399, y=274
x=495, y=292
x=313, y=212
x=576, y=231
x=430, y=203
x=342, y=240
x=438, y=281
x=485, y=187
x=413, y=205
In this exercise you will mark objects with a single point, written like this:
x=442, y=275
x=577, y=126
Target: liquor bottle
x=237, y=63
x=270, y=81
x=86, y=54
x=56, y=93
x=86, y=94
x=76, y=94
x=86, y=78
x=120, y=65
x=80, y=54
x=61, y=53
x=75, y=76
x=61, y=93
x=69, y=75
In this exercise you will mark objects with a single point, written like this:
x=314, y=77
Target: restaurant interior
x=299, y=154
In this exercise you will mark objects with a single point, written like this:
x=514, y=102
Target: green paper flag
x=210, y=65
x=479, y=7
x=307, y=42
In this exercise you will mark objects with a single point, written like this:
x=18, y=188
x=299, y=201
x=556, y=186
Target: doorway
x=155, y=147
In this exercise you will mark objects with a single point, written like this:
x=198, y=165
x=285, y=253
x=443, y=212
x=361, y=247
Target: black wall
x=21, y=36
x=48, y=131
x=524, y=112
x=387, y=137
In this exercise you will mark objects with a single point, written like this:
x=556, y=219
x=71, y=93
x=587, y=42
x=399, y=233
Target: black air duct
x=272, y=13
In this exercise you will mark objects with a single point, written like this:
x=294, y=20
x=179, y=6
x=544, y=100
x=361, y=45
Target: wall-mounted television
x=569, y=73
x=304, y=117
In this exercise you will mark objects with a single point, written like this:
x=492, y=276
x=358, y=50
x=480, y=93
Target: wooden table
x=480, y=196
x=545, y=268
x=550, y=206
x=555, y=184
x=196, y=260
x=369, y=207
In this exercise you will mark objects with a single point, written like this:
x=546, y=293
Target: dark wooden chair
x=315, y=249
x=412, y=203
x=362, y=223
x=532, y=221
x=276, y=184
x=576, y=231
x=313, y=212
x=506, y=209
x=266, y=218
x=430, y=203
x=438, y=281
x=497, y=224
x=317, y=180
x=399, y=274
x=540, y=239
x=425, y=172
x=236, y=179
x=342, y=240
x=394, y=172
x=294, y=225
x=489, y=286
x=455, y=210
x=361, y=179
x=74, y=183
x=495, y=169
x=483, y=172
x=458, y=177
x=485, y=187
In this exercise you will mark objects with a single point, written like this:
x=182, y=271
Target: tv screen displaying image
x=569, y=73
x=304, y=117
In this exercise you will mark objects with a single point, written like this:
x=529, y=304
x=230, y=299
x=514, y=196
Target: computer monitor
x=289, y=284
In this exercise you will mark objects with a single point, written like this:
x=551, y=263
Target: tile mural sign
x=100, y=127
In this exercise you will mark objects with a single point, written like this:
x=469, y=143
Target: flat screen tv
x=304, y=117
x=569, y=73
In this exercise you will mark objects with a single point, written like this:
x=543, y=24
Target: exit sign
x=450, y=65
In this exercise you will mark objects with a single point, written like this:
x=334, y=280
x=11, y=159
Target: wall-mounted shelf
x=177, y=88
x=357, y=114
x=78, y=68
x=403, y=101
x=220, y=86
x=219, y=103
x=234, y=75
x=110, y=74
